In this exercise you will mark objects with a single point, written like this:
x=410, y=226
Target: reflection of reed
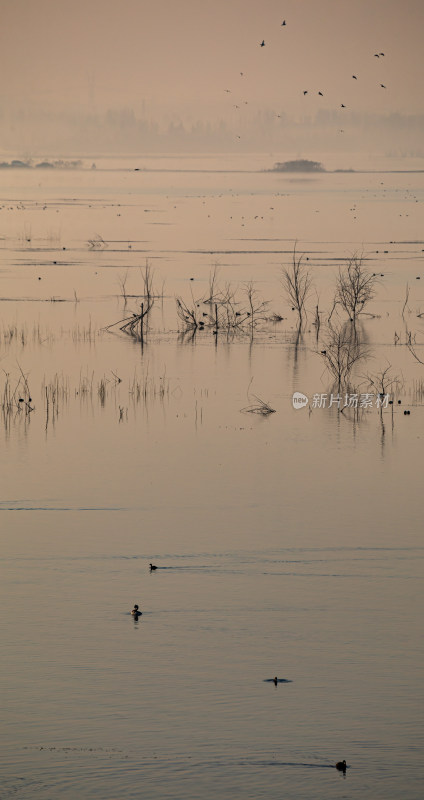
x=258, y=406
x=418, y=390
x=15, y=400
x=57, y=392
x=22, y=336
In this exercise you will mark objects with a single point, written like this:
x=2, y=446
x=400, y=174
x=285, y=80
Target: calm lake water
x=287, y=544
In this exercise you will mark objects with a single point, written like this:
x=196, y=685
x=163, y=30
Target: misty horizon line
x=118, y=130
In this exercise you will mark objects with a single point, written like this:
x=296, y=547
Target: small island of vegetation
x=299, y=165
x=28, y=164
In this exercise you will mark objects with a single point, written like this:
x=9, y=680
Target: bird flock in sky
x=262, y=44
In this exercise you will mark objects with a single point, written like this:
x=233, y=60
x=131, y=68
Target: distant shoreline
x=75, y=166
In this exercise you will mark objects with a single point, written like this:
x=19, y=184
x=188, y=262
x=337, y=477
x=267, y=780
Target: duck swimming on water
x=152, y=567
x=341, y=765
x=136, y=612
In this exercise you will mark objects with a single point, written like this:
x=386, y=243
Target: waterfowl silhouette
x=275, y=680
x=152, y=567
x=305, y=91
x=283, y=23
x=263, y=43
x=383, y=86
x=136, y=612
x=354, y=76
x=341, y=765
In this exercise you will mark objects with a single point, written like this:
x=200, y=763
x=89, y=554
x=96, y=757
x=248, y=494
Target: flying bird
x=263, y=43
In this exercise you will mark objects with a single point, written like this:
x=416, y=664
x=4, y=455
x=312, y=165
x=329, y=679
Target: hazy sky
x=182, y=54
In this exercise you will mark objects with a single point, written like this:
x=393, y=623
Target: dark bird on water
x=152, y=567
x=305, y=91
x=136, y=612
x=263, y=43
x=283, y=23
x=382, y=86
x=342, y=105
x=275, y=680
x=320, y=94
x=341, y=765
x=354, y=76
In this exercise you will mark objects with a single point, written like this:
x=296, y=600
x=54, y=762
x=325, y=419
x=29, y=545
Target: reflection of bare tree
x=343, y=349
x=317, y=322
x=297, y=283
x=122, y=280
x=188, y=336
x=97, y=242
x=297, y=346
x=384, y=384
x=410, y=336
